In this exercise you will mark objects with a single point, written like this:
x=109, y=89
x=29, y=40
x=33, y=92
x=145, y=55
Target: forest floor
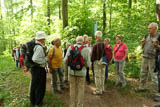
x=115, y=96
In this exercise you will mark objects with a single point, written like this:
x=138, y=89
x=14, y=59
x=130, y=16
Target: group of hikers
x=78, y=59
x=18, y=57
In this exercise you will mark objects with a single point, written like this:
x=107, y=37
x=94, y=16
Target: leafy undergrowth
x=14, y=86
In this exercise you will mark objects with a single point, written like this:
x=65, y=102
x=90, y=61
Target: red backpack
x=75, y=59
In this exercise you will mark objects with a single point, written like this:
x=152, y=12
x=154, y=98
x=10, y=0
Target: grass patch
x=14, y=86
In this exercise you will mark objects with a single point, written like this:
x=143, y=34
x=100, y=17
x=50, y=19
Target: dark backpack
x=27, y=52
x=75, y=59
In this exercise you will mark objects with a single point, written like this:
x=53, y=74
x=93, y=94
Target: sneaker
x=95, y=93
x=57, y=92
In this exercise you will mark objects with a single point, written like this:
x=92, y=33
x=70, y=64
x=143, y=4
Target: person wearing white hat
x=38, y=84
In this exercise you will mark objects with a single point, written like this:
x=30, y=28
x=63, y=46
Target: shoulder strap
x=118, y=49
x=81, y=47
x=53, y=52
x=72, y=46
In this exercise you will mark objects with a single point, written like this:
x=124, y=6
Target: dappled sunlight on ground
x=113, y=96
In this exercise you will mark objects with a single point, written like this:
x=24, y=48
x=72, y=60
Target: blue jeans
x=17, y=63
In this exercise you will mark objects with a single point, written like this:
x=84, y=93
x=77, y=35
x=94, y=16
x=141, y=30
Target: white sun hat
x=40, y=35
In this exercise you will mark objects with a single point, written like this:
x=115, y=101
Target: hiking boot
x=57, y=92
x=156, y=98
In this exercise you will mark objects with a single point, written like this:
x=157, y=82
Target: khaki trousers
x=148, y=65
x=77, y=84
x=99, y=70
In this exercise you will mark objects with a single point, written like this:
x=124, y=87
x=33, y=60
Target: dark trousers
x=106, y=72
x=158, y=70
x=93, y=70
x=17, y=63
x=87, y=75
x=38, y=85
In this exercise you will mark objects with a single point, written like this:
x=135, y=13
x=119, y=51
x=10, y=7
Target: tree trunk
x=31, y=6
x=65, y=13
x=48, y=15
x=84, y=1
x=110, y=17
x=1, y=10
x=129, y=6
x=135, y=1
x=158, y=10
x=2, y=28
x=130, y=3
x=104, y=16
x=59, y=10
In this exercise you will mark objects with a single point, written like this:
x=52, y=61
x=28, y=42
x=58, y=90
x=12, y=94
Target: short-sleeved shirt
x=56, y=61
x=121, y=51
x=108, y=52
x=149, y=50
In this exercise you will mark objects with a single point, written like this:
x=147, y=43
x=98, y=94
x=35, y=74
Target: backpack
x=75, y=59
x=27, y=52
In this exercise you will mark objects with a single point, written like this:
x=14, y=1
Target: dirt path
x=111, y=98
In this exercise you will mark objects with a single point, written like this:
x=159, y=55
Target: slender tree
x=110, y=15
x=59, y=10
x=158, y=10
x=48, y=16
x=2, y=29
x=31, y=9
x=65, y=13
x=129, y=6
x=104, y=16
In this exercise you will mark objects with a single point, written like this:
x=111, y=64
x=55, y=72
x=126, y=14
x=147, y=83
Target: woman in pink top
x=120, y=53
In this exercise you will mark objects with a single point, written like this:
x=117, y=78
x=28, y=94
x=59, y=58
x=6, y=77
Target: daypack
x=75, y=59
x=27, y=52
